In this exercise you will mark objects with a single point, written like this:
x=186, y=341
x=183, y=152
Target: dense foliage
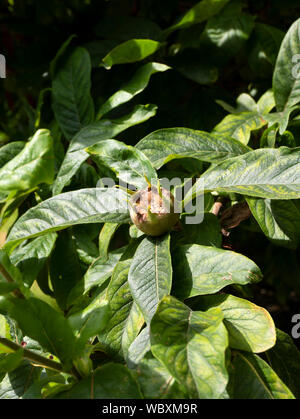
x=207, y=93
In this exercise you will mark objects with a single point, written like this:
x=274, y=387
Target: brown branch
x=37, y=359
x=233, y=216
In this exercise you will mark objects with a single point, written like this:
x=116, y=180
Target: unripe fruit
x=152, y=211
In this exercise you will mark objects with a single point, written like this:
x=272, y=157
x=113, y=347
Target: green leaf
x=190, y=63
x=96, y=275
x=136, y=85
x=39, y=106
x=270, y=39
x=246, y=104
x=130, y=51
x=203, y=270
x=252, y=378
x=92, y=134
x=84, y=206
x=42, y=323
x=9, y=151
x=72, y=103
x=240, y=126
x=280, y=118
x=32, y=166
x=125, y=319
x=84, y=242
x=10, y=362
x=265, y=173
x=138, y=348
x=230, y=29
x=197, y=14
x=207, y=233
x=128, y=163
x=286, y=81
x=60, y=53
x=105, y=236
x=250, y=327
x=6, y=287
x=164, y=145
x=150, y=274
x=110, y=381
x=156, y=382
x=192, y=347
x=31, y=257
x=89, y=322
x=16, y=383
x=284, y=358
x=279, y=220
x=266, y=102
x=64, y=268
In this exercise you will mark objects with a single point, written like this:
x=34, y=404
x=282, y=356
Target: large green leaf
x=9, y=362
x=270, y=39
x=130, y=51
x=206, y=233
x=31, y=257
x=150, y=274
x=136, y=85
x=110, y=381
x=42, y=323
x=286, y=80
x=105, y=236
x=84, y=242
x=96, y=275
x=230, y=28
x=265, y=173
x=9, y=151
x=84, y=206
x=167, y=144
x=190, y=64
x=129, y=164
x=200, y=270
x=57, y=60
x=64, y=268
x=72, y=103
x=280, y=118
x=197, y=14
x=247, y=105
x=138, y=348
x=250, y=327
x=156, y=382
x=240, y=126
x=253, y=378
x=90, y=321
x=279, y=220
x=92, y=134
x=16, y=383
x=192, y=347
x=284, y=358
x=32, y=166
x=126, y=319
